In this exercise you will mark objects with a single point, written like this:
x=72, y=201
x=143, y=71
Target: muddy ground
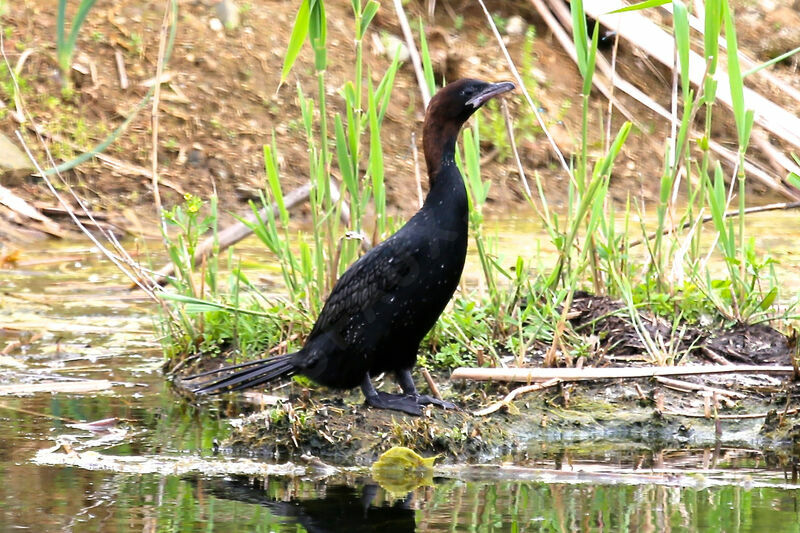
x=222, y=100
x=605, y=414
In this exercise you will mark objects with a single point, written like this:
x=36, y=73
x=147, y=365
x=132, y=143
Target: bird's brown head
x=447, y=112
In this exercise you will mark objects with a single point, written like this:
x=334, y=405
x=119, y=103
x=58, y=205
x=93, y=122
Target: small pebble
x=391, y=43
x=215, y=24
x=516, y=26
x=228, y=13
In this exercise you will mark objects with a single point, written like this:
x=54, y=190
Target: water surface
x=89, y=326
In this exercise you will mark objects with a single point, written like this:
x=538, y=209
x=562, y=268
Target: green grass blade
x=196, y=305
x=384, y=90
x=793, y=180
x=427, y=64
x=376, y=162
x=296, y=40
x=579, y=34
x=614, y=149
x=591, y=56
x=77, y=22
x=274, y=182
x=366, y=17
x=735, y=77
x=343, y=155
x=680, y=22
x=60, y=23
x=318, y=33
x=771, y=62
x=642, y=5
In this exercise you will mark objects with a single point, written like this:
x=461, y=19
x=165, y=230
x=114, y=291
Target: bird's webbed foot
x=424, y=399
x=410, y=402
x=407, y=384
x=396, y=402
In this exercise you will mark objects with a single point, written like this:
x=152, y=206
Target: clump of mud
x=343, y=433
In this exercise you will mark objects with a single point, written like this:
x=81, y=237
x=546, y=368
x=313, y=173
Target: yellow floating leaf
x=401, y=470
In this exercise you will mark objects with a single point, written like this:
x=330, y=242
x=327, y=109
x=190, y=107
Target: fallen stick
x=236, y=231
x=431, y=384
x=23, y=208
x=527, y=375
x=513, y=394
x=412, y=52
x=123, y=75
x=687, y=386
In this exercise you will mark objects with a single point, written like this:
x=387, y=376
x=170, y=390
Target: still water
x=87, y=325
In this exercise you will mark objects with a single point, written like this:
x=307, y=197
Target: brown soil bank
x=220, y=104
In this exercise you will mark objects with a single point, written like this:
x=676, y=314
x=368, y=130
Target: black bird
x=384, y=304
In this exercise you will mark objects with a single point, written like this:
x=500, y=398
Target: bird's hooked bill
x=489, y=92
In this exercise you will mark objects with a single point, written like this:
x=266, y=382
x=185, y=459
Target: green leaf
x=615, y=148
x=740, y=114
x=579, y=33
x=197, y=305
x=768, y=299
x=384, y=90
x=60, y=23
x=343, y=155
x=641, y=5
x=318, y=32
x=296, y=40
x=591, y=56
x=273, y=180
x=366, y=17
x=793, y=180
x=376, y=161
x=427, y=64
x=680, y=23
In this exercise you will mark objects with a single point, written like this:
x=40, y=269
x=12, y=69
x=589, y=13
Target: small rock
x=14, y=164
x=218, y=169
x=215, y=24
x=209, y=62
x=516, y=26
x=196, y=156
x=228, y=13
x=390, y=45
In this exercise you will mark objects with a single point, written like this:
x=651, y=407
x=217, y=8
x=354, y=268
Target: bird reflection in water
x=341, y=509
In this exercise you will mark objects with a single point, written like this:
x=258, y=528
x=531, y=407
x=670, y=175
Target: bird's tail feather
x=251, y=375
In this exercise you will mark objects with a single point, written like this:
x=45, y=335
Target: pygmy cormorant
x=384, y=304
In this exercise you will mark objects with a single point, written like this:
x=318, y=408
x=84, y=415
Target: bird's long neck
x=439, y=146
x=447, y=196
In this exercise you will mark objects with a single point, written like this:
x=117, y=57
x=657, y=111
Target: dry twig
x=505, y=402
x=527, y=375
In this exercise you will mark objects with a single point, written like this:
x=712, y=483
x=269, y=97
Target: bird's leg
x=384, y=400
x=406, y=383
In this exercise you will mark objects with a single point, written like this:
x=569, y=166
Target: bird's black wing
x=375, y=276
